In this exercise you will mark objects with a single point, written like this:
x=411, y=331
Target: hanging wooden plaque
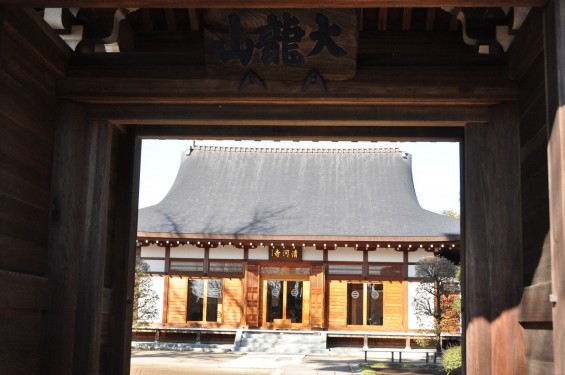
x=285, y=255
x=281, y=44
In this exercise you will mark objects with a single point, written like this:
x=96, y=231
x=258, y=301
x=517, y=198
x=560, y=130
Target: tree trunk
x=438, y=317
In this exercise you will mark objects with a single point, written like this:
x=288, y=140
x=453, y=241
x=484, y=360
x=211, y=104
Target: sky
x=435, y=168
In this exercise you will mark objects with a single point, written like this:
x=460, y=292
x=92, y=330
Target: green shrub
x=452, y=359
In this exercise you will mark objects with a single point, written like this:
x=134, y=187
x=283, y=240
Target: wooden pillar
x=126, y=163
x=493, y=261
x=92, y=257
x=77, y=243
x=555, y=73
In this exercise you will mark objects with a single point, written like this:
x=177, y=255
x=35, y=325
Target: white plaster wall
x=153, y=251
x=261, y=253
x=415, y=256
x=411, y=270
x=187, y=251
x=345, y=254
x=386, y=255
x=311, y=254
x=226, y=252
x=158, y=286
x=412, y=320
x=155, y=265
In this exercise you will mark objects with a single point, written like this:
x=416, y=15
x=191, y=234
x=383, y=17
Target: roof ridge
x=297, y=150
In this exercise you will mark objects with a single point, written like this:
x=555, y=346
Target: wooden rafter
x=454, y=24
x=270, y=4
x=194, y=19
x=171, y=20
x=147, y=21
x=383, y=19
x=406, y=19
x=430, y=19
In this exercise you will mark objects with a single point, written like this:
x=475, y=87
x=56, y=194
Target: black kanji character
x=236, y=53
x=270, y=37
x=292, y=35
x=323, y=37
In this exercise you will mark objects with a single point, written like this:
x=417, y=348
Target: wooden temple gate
x=71, y=127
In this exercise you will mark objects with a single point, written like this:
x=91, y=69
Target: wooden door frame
x=349, y=122
x=284, y=280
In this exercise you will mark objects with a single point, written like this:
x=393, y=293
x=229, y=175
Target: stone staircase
x=281, y=342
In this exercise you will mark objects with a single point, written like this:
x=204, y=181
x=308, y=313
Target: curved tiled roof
x=331, y=193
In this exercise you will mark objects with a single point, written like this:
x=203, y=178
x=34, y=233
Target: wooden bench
x=428, y=352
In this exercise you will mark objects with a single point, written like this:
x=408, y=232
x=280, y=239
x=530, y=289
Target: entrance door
x=284, y=299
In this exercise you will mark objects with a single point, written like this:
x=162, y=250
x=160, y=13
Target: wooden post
x=77, y=243
x=65, y=239
x=555, y=73
x=493, y=259
x=92, y=257
x=127, y=164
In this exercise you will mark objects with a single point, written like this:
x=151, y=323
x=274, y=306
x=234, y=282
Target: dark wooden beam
x=303, y=133
x=371, y=86
x=314, y=116
x=421, y=48
x=390, y=48
x=527, y=45
x=492, y=238
x=270, y=4
x=554, y=33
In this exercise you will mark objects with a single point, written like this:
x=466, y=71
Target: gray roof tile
x=295, y=192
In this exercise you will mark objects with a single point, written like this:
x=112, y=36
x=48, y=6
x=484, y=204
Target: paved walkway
x=179, y=362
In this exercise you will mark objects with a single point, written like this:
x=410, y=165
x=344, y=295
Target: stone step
x=273, y=345
x=288, y=350
x=282, y=339
x=275, y=342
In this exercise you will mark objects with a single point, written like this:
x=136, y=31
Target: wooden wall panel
x=535, y=309
x=233, y=302
x=252, y=298
x=393, y=305
x=178, y=289
x=317, y=298
x=30, y=62
x=555, y=75
x=20, y=351
x=337, y=305
x=306, y=305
